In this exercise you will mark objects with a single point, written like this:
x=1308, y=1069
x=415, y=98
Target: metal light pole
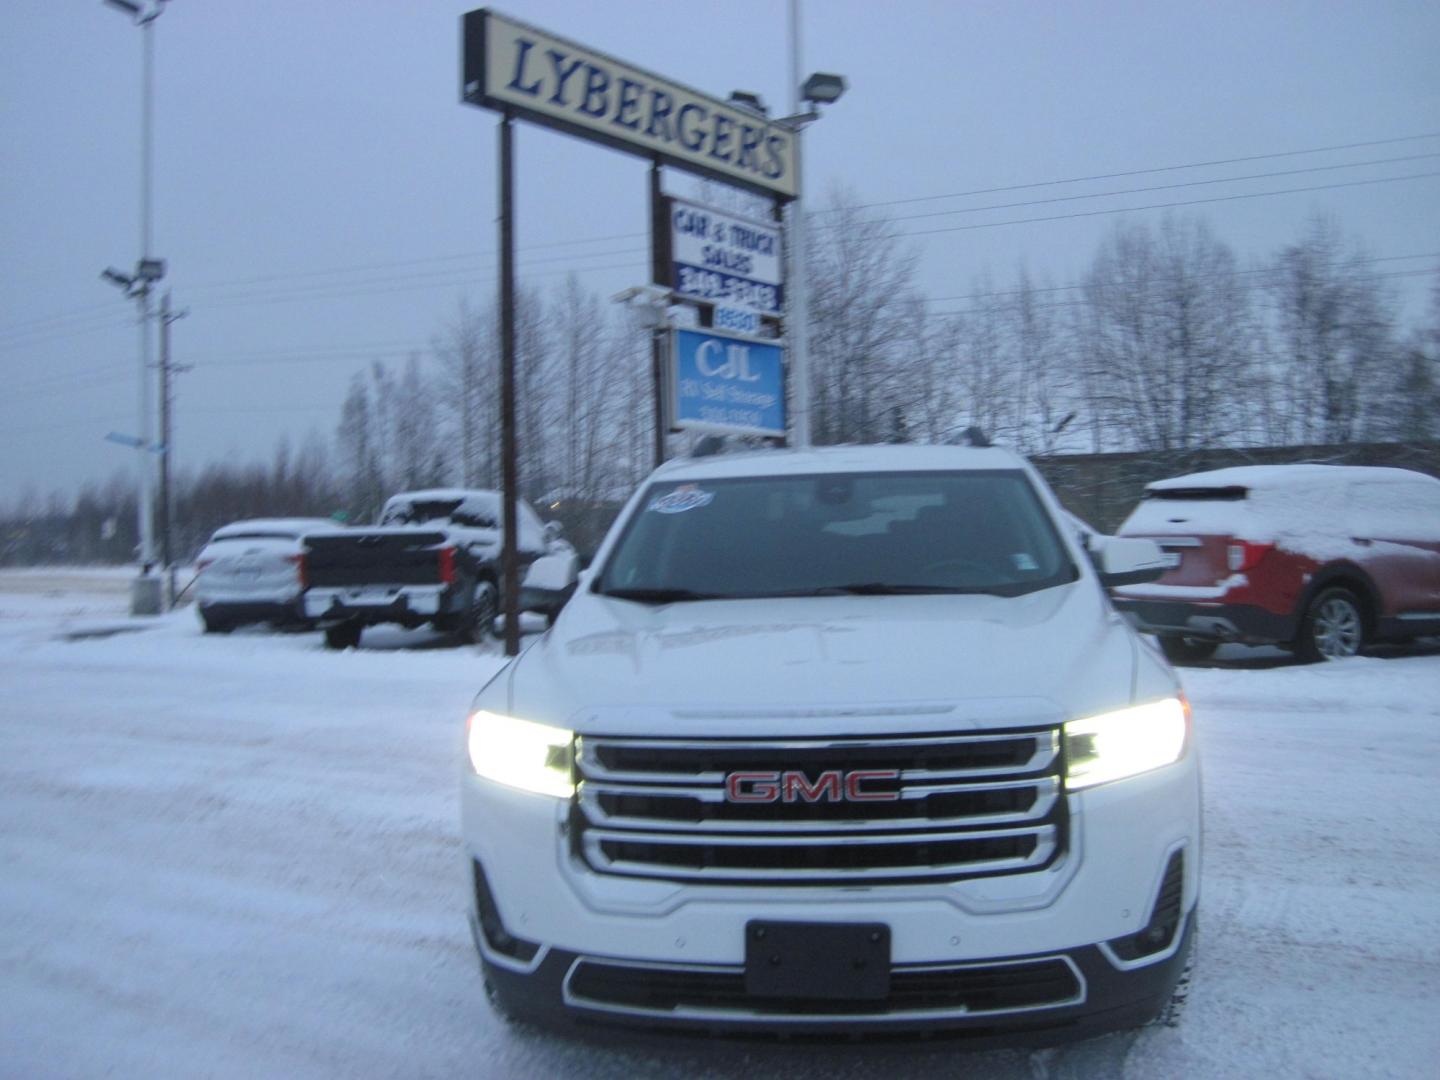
x=819, y=89
x=148, y=270
x=797, y=326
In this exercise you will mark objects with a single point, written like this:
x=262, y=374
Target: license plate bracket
x=832, y=961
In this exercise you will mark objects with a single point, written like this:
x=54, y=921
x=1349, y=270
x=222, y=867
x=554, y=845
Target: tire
x=1184, y=650
x=345, y=635
x=479, y=622
x=214, y=624
x=1333, y=627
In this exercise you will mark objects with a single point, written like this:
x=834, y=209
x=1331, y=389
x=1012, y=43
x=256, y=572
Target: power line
x=1154, y=187
x=54, y=327
x=56, y=334
x=462, y=256
x=447, y=274
x=476, y=255
x=280, y=298
x=1163, y=206
x=1244, y=286
x=327, y=292
x=388, y=349
x=1070, y=288
x=1139, y=172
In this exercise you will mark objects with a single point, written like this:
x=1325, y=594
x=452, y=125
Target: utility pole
x=167, y=369
x=145, y=592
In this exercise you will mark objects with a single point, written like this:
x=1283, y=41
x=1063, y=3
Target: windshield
x=924, y=532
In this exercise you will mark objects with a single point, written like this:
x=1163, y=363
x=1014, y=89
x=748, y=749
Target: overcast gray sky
x=323, y=199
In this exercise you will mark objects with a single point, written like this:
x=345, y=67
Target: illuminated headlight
x=1124, y=743
x=521, y=754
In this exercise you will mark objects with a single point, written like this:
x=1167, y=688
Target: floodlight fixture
x=749, y=100
x=149, y=270
x=115, y=277
x=823, y=88
x=126, y=6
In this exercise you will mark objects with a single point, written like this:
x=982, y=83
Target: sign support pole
x=509, y=562
x=659, y=235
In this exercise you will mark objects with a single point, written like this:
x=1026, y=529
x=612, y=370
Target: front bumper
x=1038, y=999
x=562, y=942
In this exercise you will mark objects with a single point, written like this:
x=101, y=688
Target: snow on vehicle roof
x=1261, y=477
x=279, y=526
x=444, y=495
x=836, y=459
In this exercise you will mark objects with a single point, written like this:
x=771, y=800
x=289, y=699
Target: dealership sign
x=726, y=383
x=725, y=260
x=533, y=74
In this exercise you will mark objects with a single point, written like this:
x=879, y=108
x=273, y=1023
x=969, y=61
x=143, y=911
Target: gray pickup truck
x=434, y=558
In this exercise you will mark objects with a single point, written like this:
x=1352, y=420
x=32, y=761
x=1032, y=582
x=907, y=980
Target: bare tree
x=984, y=373
x=1334, y=328
x=860, y=278
x=928, y=342
x=417, y=456
x=468, y=357
x=360, y=473
x=1167, y=337
x=1044, y=380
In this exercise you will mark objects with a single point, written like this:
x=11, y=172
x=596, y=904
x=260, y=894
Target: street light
x=144, y=598
x=821, y=88
x=748, y=99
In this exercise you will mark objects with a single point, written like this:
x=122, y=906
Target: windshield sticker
x=685, y=497
x=1023, y=561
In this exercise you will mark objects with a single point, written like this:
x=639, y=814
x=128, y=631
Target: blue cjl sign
x=728, y=384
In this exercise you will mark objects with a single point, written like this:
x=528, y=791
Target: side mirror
x=1129, y=560
x=548, y=584
x=553, y=531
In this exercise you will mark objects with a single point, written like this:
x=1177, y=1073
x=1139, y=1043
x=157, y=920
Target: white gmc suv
x=836, y=741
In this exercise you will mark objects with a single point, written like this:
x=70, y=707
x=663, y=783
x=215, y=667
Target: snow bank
x=239, y=856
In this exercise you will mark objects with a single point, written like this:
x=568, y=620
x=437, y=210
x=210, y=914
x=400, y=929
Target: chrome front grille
x=943, y=807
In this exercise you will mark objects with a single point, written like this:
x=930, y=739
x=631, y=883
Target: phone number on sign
x=709, y=285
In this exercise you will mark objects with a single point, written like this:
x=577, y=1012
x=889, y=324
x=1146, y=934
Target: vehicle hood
x=830, y=665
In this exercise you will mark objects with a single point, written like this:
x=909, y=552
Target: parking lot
x=239, y=856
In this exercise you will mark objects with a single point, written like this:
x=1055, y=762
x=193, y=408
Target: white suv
x=843, y=740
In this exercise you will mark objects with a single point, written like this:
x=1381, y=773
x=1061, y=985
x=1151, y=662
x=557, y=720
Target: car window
x=983, y=531
x=1395, y=509
x=256, y=534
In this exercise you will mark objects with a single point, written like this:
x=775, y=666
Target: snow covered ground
x=238, y=856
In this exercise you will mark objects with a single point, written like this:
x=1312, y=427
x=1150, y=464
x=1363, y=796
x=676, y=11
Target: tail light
x=298, y=561
x=1242, y=555
x=447, y=565
x=201, y=564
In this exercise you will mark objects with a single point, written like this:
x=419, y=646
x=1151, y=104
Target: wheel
x=480, y=618
x=345, y=635
x=1184, y=650
x=214, y=624
x=1333, y=627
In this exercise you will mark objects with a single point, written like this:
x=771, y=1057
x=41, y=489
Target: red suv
x=1321, y=559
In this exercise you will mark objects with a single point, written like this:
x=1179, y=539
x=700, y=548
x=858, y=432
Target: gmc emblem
x=792, y=785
